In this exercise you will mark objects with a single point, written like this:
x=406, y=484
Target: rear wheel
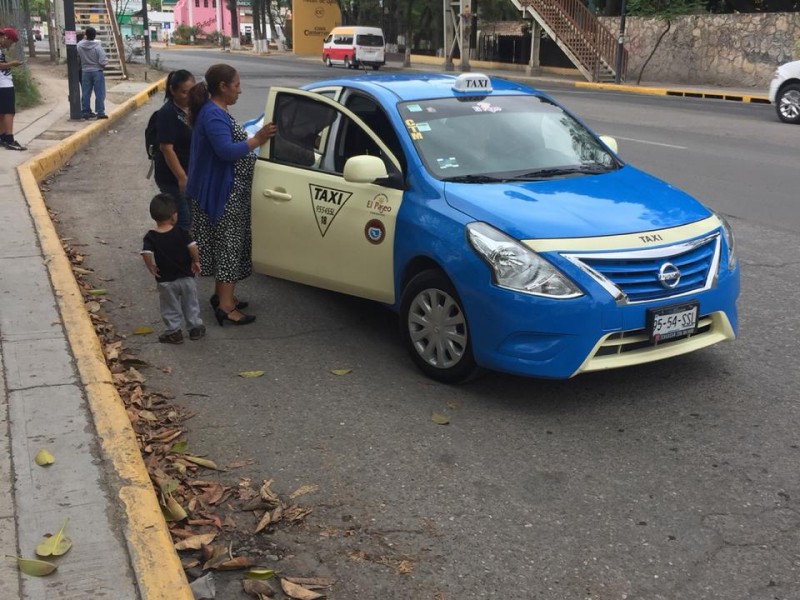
x=375, y=67
x=328, y=62
x=347, y=64
x=787, y=104
x=435, y=330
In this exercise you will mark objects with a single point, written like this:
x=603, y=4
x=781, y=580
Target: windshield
x=369, y=39
x=498, y=138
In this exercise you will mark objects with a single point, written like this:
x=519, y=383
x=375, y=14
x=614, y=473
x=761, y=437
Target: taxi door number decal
x=326, y=204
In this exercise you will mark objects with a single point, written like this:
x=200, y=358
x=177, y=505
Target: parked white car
x=784, y=92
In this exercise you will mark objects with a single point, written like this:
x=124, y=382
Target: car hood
x=618, y=202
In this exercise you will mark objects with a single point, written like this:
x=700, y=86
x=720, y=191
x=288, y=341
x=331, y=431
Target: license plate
x=672, y=322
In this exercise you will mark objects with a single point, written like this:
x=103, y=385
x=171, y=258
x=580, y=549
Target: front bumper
x=539, y=337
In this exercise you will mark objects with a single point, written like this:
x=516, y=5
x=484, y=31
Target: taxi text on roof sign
x=472, y=82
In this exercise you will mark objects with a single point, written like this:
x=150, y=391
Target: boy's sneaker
x=176, y=337
x=88, y=117
x=102, y=116
x=195, y=333
x=15, y=145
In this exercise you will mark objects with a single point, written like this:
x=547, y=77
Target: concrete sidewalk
x=55, y=394
x=46, y=388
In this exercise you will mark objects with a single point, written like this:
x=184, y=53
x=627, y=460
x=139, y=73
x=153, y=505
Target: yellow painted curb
x=682, y=93
x=155, y=562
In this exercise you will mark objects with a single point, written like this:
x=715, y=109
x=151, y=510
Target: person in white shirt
x=8, y=37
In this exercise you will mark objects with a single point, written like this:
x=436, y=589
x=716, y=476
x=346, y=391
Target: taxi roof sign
x=472, y=82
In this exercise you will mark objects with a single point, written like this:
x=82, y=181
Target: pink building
x=207, y=15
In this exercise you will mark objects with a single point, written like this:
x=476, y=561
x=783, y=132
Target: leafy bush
x=216, y=38
x=25, y=90
x=183, y=34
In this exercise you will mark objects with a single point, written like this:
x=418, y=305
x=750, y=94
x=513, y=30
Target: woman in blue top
x=220, y=173
x=174, y=141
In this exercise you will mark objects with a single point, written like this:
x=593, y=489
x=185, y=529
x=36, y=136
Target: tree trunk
x=658, y=42
x=26, y=8
x=51, y=39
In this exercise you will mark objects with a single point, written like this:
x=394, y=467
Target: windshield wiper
x=473, y=179
x=587, y=169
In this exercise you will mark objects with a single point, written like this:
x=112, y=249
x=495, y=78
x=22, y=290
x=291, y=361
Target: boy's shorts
x=7, y=101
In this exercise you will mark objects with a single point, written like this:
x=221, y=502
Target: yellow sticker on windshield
x=411, y=125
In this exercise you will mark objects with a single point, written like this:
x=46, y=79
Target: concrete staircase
x=100, y=15
x=580, y=35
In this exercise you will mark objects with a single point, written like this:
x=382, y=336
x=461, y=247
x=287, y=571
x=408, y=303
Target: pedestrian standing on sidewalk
x=220, y=174
x=8, y=37
x=171, y=255
x=174, y=136
x=93, y=61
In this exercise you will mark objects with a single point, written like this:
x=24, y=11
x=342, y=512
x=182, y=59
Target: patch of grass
x=25, y=90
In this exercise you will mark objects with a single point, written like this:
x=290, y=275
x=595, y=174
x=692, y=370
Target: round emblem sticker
x=375, y=231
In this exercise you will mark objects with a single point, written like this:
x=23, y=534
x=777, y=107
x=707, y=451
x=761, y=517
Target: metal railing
x=581, y=31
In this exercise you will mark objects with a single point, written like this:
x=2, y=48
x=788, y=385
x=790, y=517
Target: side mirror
x=364, y=169
x=610, y=142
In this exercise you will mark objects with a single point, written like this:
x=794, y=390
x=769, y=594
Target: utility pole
x=620, y=44
x=146, y=32
x=71, y=41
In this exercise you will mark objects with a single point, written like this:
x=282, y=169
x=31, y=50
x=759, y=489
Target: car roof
x=418, y=86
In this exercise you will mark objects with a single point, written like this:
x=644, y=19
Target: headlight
x=729, y=240
x=516, y=267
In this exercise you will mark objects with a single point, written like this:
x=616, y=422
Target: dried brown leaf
x=264, y=521
x=258, y=588
x=196, y=541
x=298, y=591
x=302, y=490
x=311, y=582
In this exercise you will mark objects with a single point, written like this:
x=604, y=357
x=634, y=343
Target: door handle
x=276, y=195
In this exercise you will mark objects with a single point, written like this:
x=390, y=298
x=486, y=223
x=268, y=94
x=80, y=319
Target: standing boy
x=172, y=256
x=8, y=37
x=93, y=61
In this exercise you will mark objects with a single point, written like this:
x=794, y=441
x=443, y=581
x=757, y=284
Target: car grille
x=634, y=276
x=630, y=341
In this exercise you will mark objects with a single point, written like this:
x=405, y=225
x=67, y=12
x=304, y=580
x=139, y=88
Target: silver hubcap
x=790, y=104
x=437, y=328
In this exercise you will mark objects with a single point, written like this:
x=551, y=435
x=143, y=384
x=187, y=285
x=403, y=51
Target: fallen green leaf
x=259, y=574
x=440, y=419
x=97, y=292
x=33, y=567
x=44, y=458
x=142, y=330
x=168, y=486
x=341, y=371
x=172, y=509
x=203, y=462
x=179, y=447
x=55, y=545
x=249, y=374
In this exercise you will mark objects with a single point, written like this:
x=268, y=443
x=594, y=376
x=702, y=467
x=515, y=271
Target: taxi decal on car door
x=316, y=219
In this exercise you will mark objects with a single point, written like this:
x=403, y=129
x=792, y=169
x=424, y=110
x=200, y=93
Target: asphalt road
x=671, y=481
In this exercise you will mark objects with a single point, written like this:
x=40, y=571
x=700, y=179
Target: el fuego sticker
x=326, y=204
x=375, y=231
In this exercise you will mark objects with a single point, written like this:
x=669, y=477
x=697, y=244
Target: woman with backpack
x=173, y=142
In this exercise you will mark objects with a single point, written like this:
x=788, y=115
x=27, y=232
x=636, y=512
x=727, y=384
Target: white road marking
x=651, y=143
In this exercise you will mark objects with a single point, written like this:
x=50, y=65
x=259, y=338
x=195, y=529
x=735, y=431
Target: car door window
x=302, y=129
x=368, y=110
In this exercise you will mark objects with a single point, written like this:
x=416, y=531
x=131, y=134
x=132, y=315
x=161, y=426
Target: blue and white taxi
x=504, y=232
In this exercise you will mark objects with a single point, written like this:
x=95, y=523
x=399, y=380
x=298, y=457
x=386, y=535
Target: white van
x=355, y=47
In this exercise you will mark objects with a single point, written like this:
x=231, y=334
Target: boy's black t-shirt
x=172, y=126
x=170, y=253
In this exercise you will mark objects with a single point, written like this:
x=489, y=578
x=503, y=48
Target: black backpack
x=151, y=141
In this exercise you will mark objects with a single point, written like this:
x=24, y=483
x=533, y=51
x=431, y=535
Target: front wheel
x=347, y=62
x=328, y=62
x=435, y=330
x=787, y=104
x=375, y=67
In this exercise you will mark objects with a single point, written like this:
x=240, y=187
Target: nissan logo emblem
x=669, y=275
